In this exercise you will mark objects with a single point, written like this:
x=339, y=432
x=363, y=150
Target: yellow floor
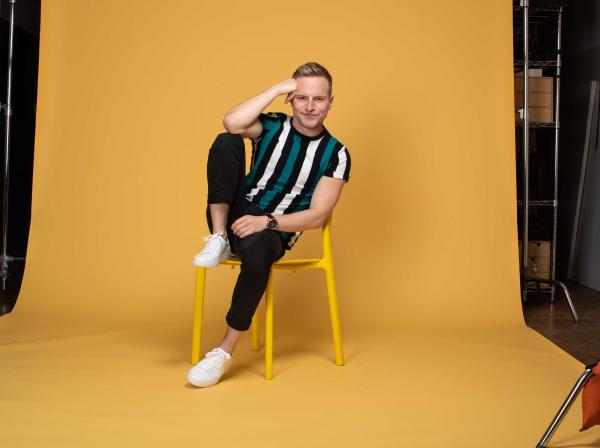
x=64, y=386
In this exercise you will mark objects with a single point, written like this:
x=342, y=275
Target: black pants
x=226, y=172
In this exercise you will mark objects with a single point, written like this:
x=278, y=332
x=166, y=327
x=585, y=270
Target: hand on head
x=288, y=86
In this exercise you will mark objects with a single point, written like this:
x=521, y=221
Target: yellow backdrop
x=131, y=96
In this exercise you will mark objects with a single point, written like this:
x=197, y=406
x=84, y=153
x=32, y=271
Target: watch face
x=272, y=225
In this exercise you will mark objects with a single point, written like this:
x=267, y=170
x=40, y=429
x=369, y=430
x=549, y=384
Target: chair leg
x=255, y=329
x=198, y=307
x=335, y=316
x=269, y=329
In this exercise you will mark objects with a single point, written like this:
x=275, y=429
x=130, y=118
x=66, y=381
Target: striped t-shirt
x=287, y=165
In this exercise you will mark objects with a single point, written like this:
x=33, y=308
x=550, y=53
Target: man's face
x=311, y=101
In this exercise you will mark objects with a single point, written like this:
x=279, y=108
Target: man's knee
x=227, y=145
x=257, y=261
x=260, y=252
x=229, y=140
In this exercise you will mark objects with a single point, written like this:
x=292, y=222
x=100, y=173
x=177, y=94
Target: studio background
x=131, y=96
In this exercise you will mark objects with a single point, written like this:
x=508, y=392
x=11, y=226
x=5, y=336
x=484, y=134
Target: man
x=296, y=177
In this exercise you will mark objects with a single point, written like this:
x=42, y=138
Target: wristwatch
x=272, y=224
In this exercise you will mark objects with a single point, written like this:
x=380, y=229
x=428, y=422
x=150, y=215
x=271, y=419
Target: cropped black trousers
x=226, y=172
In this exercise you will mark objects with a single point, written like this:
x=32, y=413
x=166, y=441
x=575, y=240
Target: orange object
x=591, y=400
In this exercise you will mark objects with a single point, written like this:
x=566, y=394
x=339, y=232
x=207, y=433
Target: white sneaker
x=210, y=369
x=215, y=250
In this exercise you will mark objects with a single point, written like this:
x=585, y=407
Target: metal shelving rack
x=5, y=258
x=524, y=16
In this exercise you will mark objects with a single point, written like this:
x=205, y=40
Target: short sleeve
x=339, y=165
x=269, y=120
x=272, y=117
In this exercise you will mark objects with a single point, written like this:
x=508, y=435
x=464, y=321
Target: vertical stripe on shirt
x=341, y=168
x=302, y=177
x=282, y=179
x=270, y=167
x=273, y=128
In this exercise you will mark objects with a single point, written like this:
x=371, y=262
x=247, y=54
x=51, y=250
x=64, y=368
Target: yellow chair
x=325, y=263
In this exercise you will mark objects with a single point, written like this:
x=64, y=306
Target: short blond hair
x=313, y=69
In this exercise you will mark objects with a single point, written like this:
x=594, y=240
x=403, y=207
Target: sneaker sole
x=213, y=264
x=204, y=384
x=212, y=383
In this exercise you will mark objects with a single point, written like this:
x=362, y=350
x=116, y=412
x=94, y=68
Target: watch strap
x=272, y=219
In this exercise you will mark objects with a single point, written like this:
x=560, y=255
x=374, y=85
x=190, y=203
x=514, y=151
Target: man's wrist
x=272, y=223
x=275, y=91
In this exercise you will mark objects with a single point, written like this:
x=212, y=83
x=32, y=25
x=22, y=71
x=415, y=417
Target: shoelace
x=214, y=244
x=212, y=360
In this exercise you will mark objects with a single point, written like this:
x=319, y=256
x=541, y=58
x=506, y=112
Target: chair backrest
x=326, y=237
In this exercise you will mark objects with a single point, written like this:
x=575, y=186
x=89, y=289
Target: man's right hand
x=288, y=86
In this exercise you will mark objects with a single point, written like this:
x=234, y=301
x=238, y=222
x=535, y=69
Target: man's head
x=313, y=96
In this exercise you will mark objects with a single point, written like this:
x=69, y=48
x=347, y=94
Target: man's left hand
x=249, y=224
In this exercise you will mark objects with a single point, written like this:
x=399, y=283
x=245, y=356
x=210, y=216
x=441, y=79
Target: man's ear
x=331, y=101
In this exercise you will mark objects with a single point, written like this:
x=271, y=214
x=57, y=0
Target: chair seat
x=284, y=264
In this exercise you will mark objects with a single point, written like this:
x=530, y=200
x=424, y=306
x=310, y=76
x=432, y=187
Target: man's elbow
x=230, y=125
x=320, y=219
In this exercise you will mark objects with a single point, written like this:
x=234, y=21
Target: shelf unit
x=527, y=13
